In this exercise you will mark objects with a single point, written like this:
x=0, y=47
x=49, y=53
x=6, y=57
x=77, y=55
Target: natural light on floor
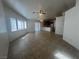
x=60, y=55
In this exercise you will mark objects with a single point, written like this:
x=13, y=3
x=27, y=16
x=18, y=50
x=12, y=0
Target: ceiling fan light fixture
x=40, y=14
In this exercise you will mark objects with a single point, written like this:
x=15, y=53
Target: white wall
x=16, y=34
x=59, y=25
x=10, y=13
x=77, y=2
x=71, y=26
x=4, y=42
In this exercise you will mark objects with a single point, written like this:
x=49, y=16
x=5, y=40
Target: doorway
x=37, y=26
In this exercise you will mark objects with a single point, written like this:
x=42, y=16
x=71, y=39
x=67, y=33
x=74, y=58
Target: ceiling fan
x=40, y=12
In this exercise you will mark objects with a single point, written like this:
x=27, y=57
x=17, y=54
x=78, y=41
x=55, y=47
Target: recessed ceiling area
x=52, y=7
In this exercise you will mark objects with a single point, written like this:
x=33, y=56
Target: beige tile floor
x=41, y=45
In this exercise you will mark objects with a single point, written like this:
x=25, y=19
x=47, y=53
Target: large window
x=25, y=25
x=17, y=24
x=22, y=25
x=13, y=24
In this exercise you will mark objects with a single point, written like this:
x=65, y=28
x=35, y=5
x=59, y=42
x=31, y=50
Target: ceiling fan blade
x=33, y=12
x=43, y=13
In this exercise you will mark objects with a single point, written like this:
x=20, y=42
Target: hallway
x=41, y=45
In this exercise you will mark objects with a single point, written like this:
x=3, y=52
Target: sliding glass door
x=37, y=26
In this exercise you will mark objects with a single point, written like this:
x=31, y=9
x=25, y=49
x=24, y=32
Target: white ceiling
x=52, y=7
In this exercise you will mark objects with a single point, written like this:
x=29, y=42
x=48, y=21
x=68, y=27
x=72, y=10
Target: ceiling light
x=40, y=14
